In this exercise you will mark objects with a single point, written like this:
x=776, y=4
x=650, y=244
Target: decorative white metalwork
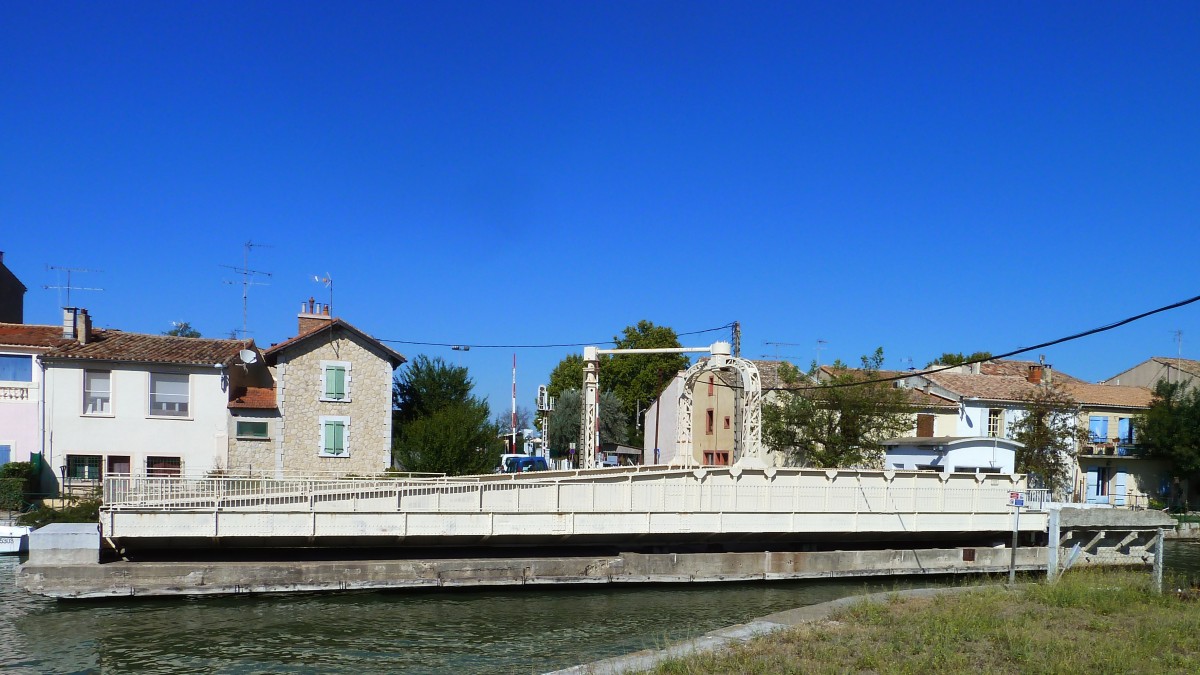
x=589, y=433
x=749, y=451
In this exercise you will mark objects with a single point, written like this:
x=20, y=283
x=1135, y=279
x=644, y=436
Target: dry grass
x=1091, y=621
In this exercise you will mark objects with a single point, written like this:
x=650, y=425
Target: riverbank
x=1092, y=620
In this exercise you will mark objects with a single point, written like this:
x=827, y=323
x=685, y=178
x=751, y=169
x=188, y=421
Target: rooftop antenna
x=246, y=281
x=777, y=345
x=328, y=281
x=68, y=287
x=820, y=348
x=1178, y=333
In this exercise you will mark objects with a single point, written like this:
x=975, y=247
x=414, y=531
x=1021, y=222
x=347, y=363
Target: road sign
x=1015, y=499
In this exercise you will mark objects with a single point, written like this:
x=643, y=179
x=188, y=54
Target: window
x=118, y=464
x=717, y=457
x=925, y=425
x=253, y=430
x=711, y=383
x=168, y=395
x=97, y=392
x=163, y=466
x=83, y=467
x=1098, y=428
x=708, y=422
x=727, y=421
x=1125, y=430
x=16, y=367
x=335, y=380
x=995, y=423
x=5, y=453
x=335, y=437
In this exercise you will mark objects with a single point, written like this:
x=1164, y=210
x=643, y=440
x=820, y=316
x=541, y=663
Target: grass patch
x=1091, y=620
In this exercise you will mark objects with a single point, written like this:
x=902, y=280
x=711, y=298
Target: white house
x=21, y=388
x=948, y=454
x=124, y=403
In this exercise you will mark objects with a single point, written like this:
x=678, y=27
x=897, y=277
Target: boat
x=14, y=539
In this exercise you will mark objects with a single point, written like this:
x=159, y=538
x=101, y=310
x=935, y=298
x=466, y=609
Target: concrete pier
x=126, y=579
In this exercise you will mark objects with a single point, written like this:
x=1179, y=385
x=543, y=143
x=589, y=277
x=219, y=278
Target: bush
x=77, y=511
x=16, y=481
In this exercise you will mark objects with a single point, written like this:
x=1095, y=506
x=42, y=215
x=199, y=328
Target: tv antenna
x=68, y=287
x=1178, y=333
x=820, y=348
x=247, y=278
x=777, y=345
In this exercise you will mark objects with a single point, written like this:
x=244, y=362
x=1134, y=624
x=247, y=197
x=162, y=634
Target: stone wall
x=253, y=455
x=369, y=405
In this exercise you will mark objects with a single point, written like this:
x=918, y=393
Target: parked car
x=522, y=463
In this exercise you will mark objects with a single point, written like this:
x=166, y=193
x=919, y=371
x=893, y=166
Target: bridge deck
x=640, y=502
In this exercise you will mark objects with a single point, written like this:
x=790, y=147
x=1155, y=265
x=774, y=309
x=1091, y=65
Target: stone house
x=327, y=408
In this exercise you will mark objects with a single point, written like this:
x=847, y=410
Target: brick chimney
x=313, y=315
x=1035, y=374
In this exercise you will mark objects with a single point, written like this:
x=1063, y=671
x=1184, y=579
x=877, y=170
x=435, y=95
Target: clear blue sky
x=924, y=177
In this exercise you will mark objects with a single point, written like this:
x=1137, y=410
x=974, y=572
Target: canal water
x=521, y=630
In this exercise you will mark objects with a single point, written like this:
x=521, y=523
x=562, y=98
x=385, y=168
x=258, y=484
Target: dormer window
x=335, y=381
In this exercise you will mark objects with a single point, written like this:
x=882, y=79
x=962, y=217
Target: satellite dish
x=247, y=356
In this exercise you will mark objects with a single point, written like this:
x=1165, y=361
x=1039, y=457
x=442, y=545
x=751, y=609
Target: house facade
x=333, y=401
x=992, y=398
x=1149, y=372
x=21, y=381
x=712, y=422
x=128, y=403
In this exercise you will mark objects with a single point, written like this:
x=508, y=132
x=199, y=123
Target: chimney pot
x=313, y=315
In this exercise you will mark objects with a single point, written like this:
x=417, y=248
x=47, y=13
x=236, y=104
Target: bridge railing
x=712, y=490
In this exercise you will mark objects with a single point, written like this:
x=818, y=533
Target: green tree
x=840, y=421
x=438, y=425
x=957, y=359
x=566, y=420
x=455, y=439
x=568, y=374
x=425, y=385
x=1049, y=432
x=1170, y=428
x=637, y=379
x=182, y=329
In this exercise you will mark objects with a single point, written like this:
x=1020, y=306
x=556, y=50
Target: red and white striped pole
x=514, y=405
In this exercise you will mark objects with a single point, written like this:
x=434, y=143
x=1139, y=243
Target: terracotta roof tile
x=769, y=374
x=1115, y=395
x=272, y=353
x=115, y=345
x=28, y=335
x=262, y=398
x=1186, y=365
x=990, y=387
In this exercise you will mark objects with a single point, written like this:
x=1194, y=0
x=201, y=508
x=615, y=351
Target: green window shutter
x=335, y=382
x=335, y=438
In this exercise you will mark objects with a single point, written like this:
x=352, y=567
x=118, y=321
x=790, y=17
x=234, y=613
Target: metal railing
x=709, y=491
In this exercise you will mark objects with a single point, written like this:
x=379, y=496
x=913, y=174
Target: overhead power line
x=462, y=345
x=1005, y=355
